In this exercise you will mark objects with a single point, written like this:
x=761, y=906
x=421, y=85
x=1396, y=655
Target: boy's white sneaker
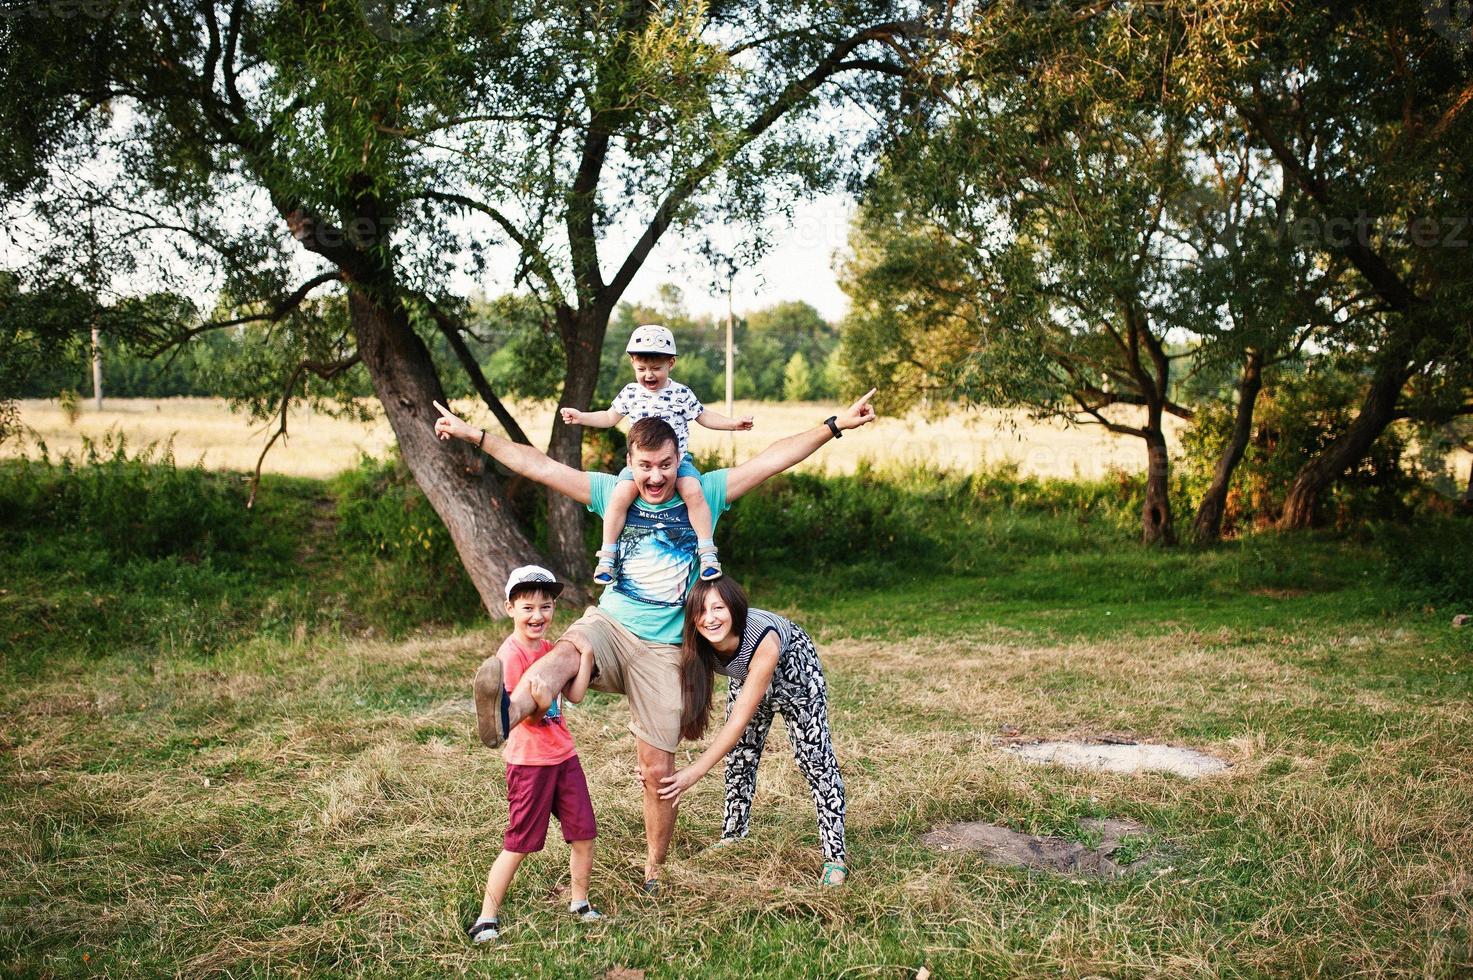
x=485, y=929
x=585, y=912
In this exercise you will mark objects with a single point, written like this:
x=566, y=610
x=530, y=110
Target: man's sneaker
x=492, y=703
x=585, y=912
x=484, y=930
x=652, y=887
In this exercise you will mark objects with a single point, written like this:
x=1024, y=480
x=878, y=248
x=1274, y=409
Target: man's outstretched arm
x=531, y=463
x=793, y=450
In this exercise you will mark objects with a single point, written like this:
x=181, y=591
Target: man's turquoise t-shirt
x=657, y=558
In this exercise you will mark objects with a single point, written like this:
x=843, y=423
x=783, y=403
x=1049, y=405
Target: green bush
x=1432, y=559
x=914, y=520
x=416, y=571
x=1293, y=421
x=382, y=511
x=139, y=506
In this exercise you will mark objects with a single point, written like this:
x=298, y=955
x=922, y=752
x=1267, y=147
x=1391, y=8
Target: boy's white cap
x=533, y=574
x=651, y=339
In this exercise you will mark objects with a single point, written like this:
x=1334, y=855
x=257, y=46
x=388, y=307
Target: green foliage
x=127, y=555
x=381, y=510
x=138, y=506
x=528, y=359
x=1294, y=420
x=383, y=516
x=116, y=554
x=318, y=333
x=767, y=342
x=941, y=522
x=797, y=379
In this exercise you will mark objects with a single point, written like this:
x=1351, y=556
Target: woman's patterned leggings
x=798, y=692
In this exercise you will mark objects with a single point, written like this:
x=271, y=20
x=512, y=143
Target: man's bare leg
x=659, y=815
x=543, y=681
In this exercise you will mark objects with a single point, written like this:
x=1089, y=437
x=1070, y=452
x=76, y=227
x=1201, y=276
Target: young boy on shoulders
x=651, y=351
x=543, y=775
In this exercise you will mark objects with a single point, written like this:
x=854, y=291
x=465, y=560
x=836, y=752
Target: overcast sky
x=798, y=266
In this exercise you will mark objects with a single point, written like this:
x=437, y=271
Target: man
x=634, y=633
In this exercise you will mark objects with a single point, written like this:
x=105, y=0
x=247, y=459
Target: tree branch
x=791, y=95
x=452, y=329
x=534, y=254
x=325, y=371
x=1388, y=285
x=278, y=311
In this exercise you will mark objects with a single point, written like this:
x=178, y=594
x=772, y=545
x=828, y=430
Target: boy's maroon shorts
x=535, y=792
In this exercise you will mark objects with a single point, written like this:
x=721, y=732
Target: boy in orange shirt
x=543, y=775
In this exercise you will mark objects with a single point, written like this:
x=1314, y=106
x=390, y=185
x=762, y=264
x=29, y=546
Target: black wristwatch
x=830, y=422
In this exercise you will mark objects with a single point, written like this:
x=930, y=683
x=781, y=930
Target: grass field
x=319, y=445
x=219, y=764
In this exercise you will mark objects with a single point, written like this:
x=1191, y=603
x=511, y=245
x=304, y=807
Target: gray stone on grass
x=1007, y=848
x=1117, y=757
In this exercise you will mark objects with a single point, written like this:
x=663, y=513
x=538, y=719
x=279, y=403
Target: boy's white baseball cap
x=651, y=339
x=533, y=575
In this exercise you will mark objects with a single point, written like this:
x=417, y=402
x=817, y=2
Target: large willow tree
x=271, y=151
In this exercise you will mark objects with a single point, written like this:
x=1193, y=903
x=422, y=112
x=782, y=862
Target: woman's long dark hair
x=697, y=654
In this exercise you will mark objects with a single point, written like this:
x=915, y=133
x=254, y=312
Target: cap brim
x=553, y=588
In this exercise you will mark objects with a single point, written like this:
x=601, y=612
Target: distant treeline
x=784, y=352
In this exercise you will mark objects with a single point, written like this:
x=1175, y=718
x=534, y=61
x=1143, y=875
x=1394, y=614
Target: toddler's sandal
x=604, y=574
x=710, y=567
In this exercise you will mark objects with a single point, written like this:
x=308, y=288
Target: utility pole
x=96, y=333
x=729, y=359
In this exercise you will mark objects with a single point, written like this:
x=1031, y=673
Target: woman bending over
x=773, y=668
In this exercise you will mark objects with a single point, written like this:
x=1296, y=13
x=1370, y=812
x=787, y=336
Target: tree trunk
x=1376, y=412
x=1207, y=526
x=1156, y=522
x=454, y=476
x=583, y=339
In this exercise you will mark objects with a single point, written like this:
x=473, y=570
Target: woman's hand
x=571, y=416
x=673, y=785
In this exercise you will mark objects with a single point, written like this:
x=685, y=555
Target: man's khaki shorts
x=646, y=673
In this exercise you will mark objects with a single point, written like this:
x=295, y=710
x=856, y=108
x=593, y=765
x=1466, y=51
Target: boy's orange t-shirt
x=545, y=741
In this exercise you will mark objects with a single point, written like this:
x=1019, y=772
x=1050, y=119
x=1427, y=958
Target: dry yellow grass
x=275, y=815
x=318, y=445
